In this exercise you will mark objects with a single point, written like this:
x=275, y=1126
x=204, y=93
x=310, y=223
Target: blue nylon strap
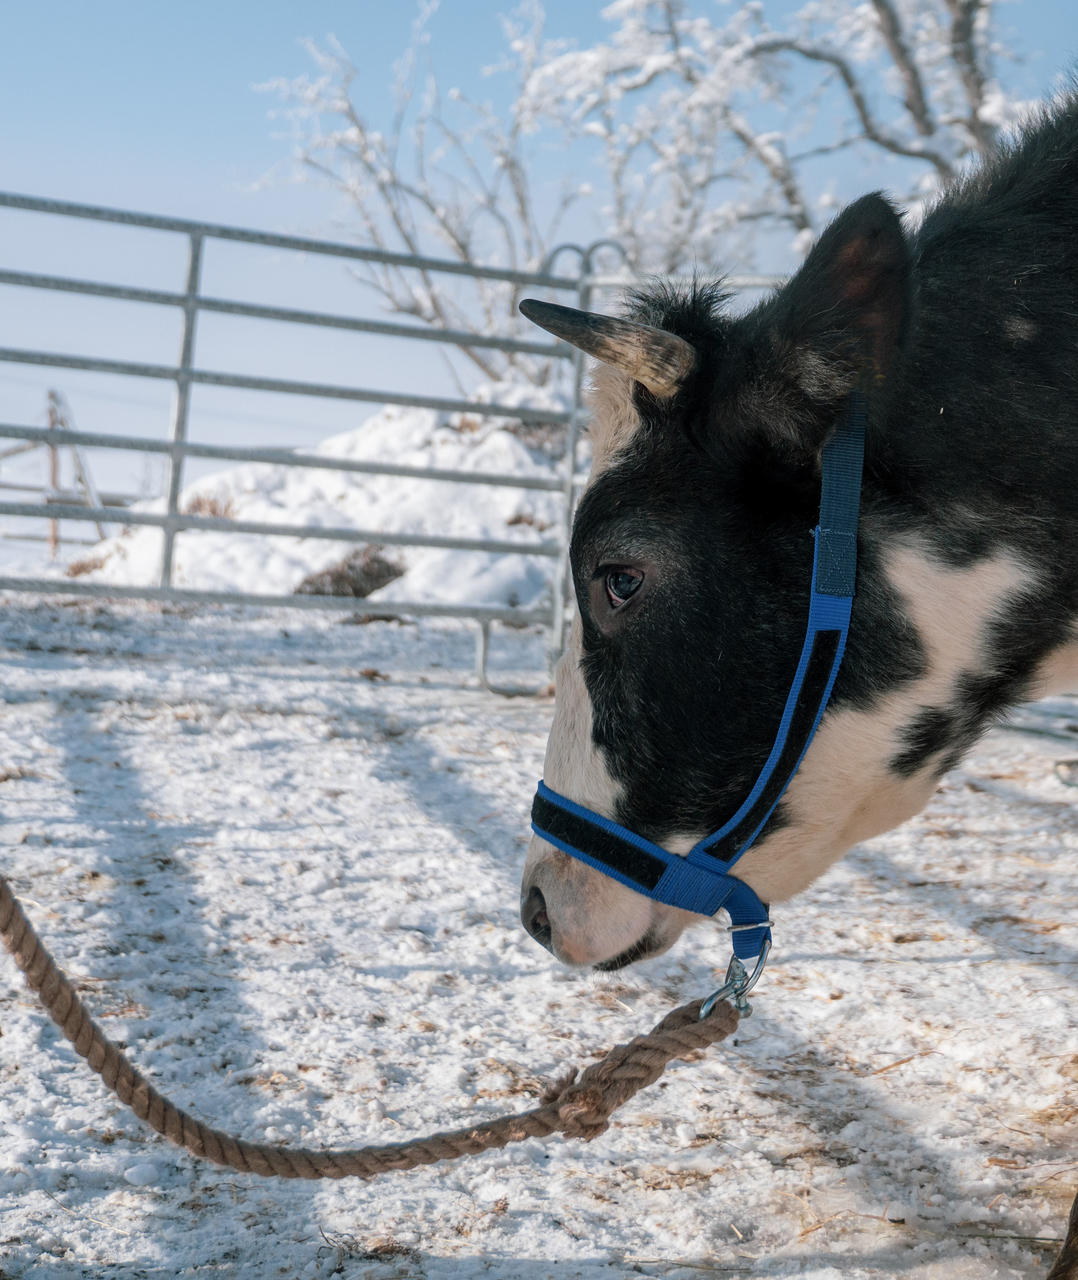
x=578, y=831
x=701, y=881
x=842, y=462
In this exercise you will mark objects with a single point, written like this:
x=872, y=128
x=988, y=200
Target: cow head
x=691, y=559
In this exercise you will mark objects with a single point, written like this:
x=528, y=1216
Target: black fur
x=965, y=335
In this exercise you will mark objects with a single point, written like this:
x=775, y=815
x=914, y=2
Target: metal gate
x=185, y=373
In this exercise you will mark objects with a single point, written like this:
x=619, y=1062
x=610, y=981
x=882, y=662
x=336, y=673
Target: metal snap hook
x=739, y=982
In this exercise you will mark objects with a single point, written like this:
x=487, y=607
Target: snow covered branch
x=719, y=130
x=698, y=138
x=450, y=177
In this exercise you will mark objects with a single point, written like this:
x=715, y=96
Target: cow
x=691, y=546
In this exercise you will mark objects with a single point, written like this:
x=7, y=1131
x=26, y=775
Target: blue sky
x=151, y=106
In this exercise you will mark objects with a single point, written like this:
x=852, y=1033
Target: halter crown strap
x=700, y=881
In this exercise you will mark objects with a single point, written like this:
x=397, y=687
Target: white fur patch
x=1058, y=673
x=845, y=790
x=614, y=419
x=574, y=765
x=592, y=917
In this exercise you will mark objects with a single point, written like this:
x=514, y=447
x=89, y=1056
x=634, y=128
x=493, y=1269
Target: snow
x=290, y=886
x=315, y=498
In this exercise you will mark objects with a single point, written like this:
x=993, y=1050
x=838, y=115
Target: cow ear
x=838, y=324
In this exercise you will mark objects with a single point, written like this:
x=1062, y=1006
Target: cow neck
x=701, y=880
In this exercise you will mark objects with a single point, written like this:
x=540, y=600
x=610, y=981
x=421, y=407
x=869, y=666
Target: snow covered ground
x=280, y=854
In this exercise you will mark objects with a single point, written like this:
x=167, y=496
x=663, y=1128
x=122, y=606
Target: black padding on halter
x=592, y=839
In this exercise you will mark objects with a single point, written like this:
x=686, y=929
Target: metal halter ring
x=739, y=982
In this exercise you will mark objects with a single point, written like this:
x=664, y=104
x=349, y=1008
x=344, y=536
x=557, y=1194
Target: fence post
x=54, y=472
x=181, y=402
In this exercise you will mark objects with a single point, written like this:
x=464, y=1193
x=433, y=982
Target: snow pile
x=224, y=561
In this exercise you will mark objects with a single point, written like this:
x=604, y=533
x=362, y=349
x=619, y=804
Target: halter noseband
x=701, y=880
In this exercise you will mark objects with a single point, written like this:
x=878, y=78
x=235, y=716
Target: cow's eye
x=621, y=584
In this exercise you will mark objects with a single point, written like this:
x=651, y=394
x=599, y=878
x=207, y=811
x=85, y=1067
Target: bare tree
x=717, y=142
x=717, y=137
x=449, y=177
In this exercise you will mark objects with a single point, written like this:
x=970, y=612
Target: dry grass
x=526, y=517
x=18, y=771
x=205, y=504
x=520, y=1082
x=87, y=564
x=351, y=1248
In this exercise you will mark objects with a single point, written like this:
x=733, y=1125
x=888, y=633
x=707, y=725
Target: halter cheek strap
x=700, y=881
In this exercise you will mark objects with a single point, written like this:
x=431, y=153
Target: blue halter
x=701, y=880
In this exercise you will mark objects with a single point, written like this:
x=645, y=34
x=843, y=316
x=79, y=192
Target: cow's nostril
x=534, y=917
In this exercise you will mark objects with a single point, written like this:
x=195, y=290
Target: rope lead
x=577, y=1106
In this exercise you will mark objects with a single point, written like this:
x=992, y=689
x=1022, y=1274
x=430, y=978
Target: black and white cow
x=691, y=549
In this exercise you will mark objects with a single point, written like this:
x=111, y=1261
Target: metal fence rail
x=483, y=614
x=185, y=373
x=283, y=457
x=255, y=311
x=271, y=240
x=246, y=382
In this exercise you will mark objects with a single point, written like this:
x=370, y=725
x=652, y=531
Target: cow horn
x=658, y=359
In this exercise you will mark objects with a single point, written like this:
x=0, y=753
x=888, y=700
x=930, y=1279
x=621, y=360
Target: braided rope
x=578, y=1107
